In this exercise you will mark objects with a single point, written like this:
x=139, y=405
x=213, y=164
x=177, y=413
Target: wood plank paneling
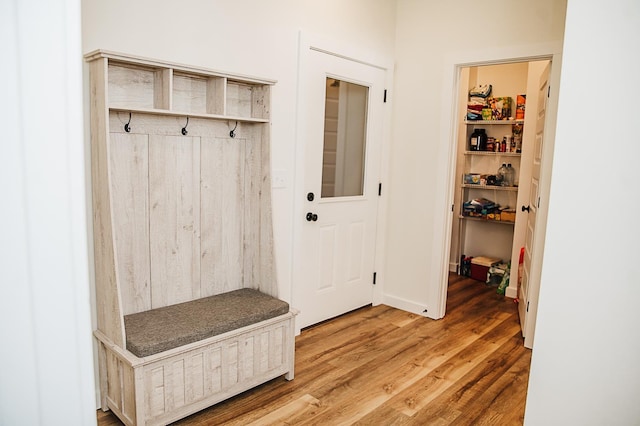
x=195, y=379
x=114, y=389
x=267, y=277
x=174, y=194
x=129, y=397
x=252, y=214
x=189, y=93
x=222, y=192
x=213, y=370
x=262, y=353
x=383, y=366
x=213, y=193
x=129, y=165
x=122, y=92
x=247, y=358
x=154, y=381
x=239, y=100
x=231, y=365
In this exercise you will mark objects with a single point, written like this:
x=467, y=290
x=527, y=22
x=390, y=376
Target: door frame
x=449, y=131
x=308, y=42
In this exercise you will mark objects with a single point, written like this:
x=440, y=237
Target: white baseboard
x=406, y=305
x=511, y=292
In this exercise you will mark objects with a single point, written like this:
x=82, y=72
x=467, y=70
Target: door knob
x=312, y=217
x=525, y=209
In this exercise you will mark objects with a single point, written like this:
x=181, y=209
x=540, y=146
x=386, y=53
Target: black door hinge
x=548, y=91
x=375, y=274
x=385, y=96
x=379, y=189
x=527, y=306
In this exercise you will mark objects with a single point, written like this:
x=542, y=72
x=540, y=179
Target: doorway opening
x=489, y=212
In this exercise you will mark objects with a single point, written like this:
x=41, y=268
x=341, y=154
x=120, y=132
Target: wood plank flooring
x=383, y=366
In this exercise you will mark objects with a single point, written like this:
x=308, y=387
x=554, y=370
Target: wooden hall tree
x=182, y=211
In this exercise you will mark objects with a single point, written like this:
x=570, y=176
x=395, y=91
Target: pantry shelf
x=493, y=154
x=492, y=122
x=490, y=187
x=479, y=219
x=157, y=111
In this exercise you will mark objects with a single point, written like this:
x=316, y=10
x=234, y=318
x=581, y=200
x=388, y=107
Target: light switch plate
x=279, y=179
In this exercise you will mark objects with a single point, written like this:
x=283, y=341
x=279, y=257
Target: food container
x=491, y=144
x=480, y=267
x=472, y=178
x=508, y=215
x=521, y=101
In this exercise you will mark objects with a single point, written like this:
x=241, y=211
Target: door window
x=345, y=124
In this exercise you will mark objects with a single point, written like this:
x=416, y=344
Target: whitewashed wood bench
x=186, y=357
x=186, y=293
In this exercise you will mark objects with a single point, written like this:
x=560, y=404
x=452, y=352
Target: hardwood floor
x=382, y=366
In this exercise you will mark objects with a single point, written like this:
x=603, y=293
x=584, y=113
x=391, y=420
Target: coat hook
x=127, y=128
x=232, y=133
x=184, y=129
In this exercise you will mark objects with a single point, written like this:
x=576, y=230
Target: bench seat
x=157, y=330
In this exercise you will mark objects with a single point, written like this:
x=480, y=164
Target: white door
x=341, y=128
x=529, y=286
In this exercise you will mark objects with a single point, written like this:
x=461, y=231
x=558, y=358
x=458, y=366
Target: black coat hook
x=184, y=129
x=232, y=133
x=127, y=128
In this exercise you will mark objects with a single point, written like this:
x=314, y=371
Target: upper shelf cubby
x=146, y=85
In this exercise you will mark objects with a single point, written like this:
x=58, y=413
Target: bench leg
x=289, y=375
x=291, y=347
x=102, y=376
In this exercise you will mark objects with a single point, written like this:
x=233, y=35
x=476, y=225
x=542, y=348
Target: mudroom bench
x=182, y=358
x=187, y=302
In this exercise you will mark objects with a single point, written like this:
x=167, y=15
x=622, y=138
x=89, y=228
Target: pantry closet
x=497, y=231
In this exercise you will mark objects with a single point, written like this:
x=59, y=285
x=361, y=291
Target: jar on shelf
x=478, y=140
x=510, y=175
x=517, y=136
x=501, y=176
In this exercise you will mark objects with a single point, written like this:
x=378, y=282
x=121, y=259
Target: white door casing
x=335, y=248
x=528, y=288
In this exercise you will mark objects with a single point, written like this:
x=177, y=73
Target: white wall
x=46, y=371
x=586, y=357
x=428, y=35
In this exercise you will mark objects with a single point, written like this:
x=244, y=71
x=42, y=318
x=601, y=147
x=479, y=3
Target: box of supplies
x=480, y=267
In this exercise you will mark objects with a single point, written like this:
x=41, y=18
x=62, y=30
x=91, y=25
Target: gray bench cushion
x=161, y=329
